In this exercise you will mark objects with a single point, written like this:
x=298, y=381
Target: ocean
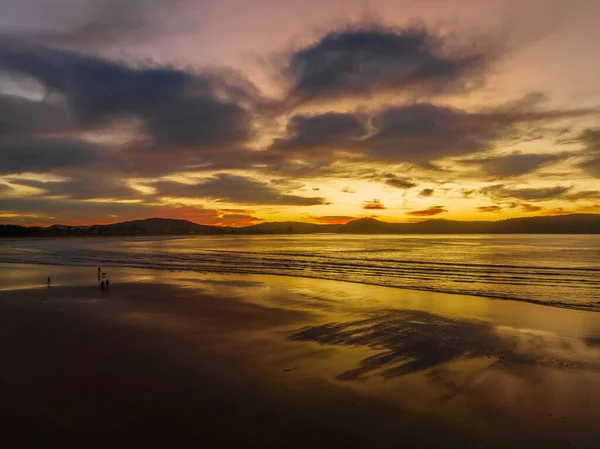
x=556, y=270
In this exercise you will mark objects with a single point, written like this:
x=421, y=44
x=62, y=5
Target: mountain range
x=563, y=224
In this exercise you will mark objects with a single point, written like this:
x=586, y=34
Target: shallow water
x=558, y=270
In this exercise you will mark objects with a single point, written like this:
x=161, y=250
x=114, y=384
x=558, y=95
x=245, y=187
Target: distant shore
x=171, y=359
x=559, y=224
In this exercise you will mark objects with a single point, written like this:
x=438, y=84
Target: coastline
x=186, y=357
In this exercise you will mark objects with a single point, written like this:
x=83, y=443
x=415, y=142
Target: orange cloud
x=491, y=209
x=373, y=205
x=557, y=211
x=434, y=210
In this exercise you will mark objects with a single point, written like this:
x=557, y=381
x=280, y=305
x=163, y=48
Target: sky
x=234, y=112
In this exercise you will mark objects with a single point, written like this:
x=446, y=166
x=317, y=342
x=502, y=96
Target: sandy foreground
x=184, y=359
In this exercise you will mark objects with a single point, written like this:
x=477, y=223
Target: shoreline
x=175, y=358
x=590, y=307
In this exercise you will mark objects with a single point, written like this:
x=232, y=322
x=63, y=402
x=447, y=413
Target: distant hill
x=156, y=226
x=290, y=227
x=149, y=226
x=564, y=224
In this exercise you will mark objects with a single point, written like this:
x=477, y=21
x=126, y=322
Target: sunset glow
x=234, y=112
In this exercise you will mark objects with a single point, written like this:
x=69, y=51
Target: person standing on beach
x=107, y=284
x=102, y=285
x=48, y=281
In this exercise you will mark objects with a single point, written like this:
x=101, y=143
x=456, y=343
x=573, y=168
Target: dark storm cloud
x=590, y=138
x=177, y=107
x=426, y=193
x=434, y=210
x=331, y=131
x=400, y=183
x=356, y=62
x=22, y=117
x=421, y=133
x=373, y=205
x=46, y=154
x=236, y=189
x=500, y=191
x=513, y=164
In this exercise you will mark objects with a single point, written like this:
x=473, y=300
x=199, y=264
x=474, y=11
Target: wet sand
x=186, y=360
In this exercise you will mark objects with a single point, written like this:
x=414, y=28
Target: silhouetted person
x=107, y=284
x=99, y=270
x=48, y=282
x=102, y=285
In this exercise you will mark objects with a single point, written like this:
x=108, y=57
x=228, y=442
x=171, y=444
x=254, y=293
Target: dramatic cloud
x=21, y=117
x=107, y=111
x=592, y=166
x=330, y=131
x=41, y=155
x=5, y=188
x=373, y=205
x=176, y=107
x=500, y=191
x=513, y=164
x=44, y=210
x=524, y=207
x=421, y=133
x=400, y=183
x=236, y=189
x=591, y=140
x=489, y=209
x=75, y=210
x=86, y=186
x=584, y=195
x=434, y=210
x=357, y=62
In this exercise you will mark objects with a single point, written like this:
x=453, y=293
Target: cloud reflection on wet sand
x=411, y=341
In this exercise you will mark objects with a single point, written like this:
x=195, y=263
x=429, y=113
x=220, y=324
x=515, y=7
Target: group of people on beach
x=103, y=284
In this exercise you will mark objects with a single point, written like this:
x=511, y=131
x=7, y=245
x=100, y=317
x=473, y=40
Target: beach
x=182, y=359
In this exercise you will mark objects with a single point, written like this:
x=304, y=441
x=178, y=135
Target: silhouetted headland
x=563, y=224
